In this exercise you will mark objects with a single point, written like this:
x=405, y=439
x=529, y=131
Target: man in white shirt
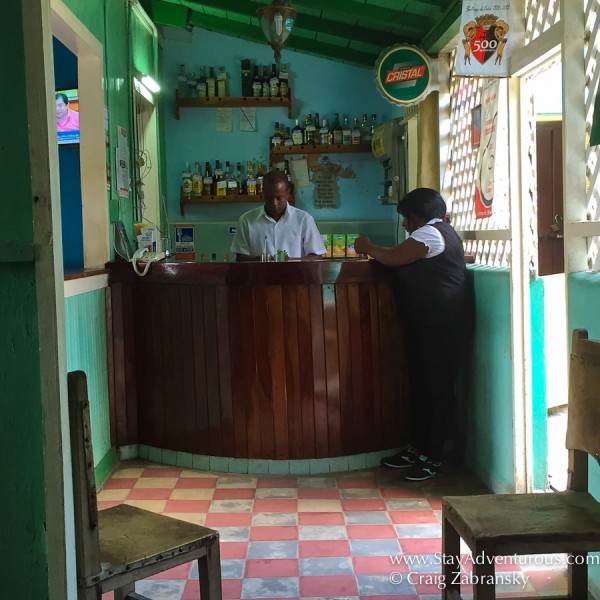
x=276, y=226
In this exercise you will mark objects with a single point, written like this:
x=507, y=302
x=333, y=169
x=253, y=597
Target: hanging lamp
x=277, y=21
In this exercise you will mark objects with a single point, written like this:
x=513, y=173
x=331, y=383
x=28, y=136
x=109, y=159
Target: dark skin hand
x=407, y=252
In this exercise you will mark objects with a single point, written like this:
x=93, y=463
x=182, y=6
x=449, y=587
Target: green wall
x=23, y=551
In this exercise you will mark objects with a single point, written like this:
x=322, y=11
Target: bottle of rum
x=197, y=185
x=259, y=178
x=220, y=185
x=230, y=180
x=192, y=83
x=186, y=181
x=355, y=135
x=207, y=182
x=222, y=83
x=287, y=137
x=365, y=130
x=297, y=135
x=346, y=132
x=239, y=177
x=287, y=171
x=336, y=132
x=309, y=130
x=181, y=82
x=274, y=82
x=201, y=84
x=276, y=140
x=284, y=82
x=266, y=84
x=250, y=180
x=211, y=83
x=324, y=133
x=256, y=83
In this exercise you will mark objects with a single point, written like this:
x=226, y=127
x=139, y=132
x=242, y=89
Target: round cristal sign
x=403, y=74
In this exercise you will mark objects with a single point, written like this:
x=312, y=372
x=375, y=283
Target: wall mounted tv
x=67, y=116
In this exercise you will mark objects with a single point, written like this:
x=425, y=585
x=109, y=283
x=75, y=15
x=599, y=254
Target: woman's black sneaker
x=422, y=469
x=403, y=460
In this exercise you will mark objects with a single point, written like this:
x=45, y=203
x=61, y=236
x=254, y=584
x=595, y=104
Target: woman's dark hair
x=423, y=203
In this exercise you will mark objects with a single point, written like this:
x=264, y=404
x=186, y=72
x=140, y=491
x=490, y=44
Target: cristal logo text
x=406, y=74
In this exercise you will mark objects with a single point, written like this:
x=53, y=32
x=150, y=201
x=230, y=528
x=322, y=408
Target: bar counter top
x=280, y=361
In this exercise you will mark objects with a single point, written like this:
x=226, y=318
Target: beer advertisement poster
x=489, y=33
x=185, y=242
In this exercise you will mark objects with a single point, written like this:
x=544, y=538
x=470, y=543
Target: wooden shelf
x=233, y=102
x=281, y=151
x=218, y=200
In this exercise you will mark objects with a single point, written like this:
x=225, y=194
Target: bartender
x=277, y=225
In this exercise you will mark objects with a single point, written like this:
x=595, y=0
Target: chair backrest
x=84, y=483
x=583, y=433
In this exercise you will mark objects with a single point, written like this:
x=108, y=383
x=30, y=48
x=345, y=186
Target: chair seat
x=136, y=537
x=507, y=523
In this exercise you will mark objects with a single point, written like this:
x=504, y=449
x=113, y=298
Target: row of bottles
x=316, y=131
x=213, y=83
x=224, y=182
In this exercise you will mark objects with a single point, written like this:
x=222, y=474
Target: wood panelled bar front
x=292, y=360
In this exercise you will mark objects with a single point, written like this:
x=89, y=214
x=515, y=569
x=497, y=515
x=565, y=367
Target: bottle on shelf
x=201, y=83
x=287, y=171
x=324, y=133
x=365, y=130
x=309, y=130
x=346, y=132
x=287, y=137
x=222, y=83
x=259, y=178
x=191, y=82
x=250, y=180
x=182, y=82
x=284, y=83
x=276, y=140
x=230, y=181
x=207, y=182
x=336, y=132
x=186, y=181
x=297, y=134
x=317, y=124
x=266, y=84
x=239, y=178
x=220, y=185
x=355, y=135
x=274, y=82
x=374, y=124
x=197, y=184
x=211, y=83
x=256, y=83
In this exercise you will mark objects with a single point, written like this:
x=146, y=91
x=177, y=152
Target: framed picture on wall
x=476, y=126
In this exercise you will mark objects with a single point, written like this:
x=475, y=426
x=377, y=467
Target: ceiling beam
x=445, y=29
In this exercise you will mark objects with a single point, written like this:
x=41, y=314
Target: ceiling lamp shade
x=277, y=21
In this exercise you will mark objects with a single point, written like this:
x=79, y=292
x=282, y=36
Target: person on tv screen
x=66, y=119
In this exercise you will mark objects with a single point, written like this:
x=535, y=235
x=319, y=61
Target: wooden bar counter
x=293, y=360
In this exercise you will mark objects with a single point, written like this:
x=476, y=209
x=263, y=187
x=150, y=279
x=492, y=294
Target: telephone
x=145, y=256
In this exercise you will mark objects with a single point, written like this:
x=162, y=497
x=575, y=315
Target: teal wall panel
x=487, y=382
x=85, y=317
x=23, y=546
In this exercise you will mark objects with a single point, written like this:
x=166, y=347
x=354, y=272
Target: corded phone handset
x=144, y=255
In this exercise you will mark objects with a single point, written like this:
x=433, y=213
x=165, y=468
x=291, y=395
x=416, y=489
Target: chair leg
x=450, y=558
x=484, y=587
x=209, y=573
x=122, y=592
x=578, y=578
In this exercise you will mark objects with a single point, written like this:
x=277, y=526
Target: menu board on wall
x=325, y=191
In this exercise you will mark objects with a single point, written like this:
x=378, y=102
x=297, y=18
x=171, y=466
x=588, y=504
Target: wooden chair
x=118, y=546
x=544, y=523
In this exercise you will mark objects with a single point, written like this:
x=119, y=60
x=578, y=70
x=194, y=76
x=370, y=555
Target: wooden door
x=550, y=198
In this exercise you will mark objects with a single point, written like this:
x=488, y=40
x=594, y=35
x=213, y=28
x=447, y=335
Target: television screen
x=67, y=116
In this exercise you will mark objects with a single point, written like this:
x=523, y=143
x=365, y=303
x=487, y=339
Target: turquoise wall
x=23, y=551
x=318, y=85
x=583, y=293
x=85, y=317
x=487, y=382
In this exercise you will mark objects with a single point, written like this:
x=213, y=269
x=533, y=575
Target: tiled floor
x=358, y=535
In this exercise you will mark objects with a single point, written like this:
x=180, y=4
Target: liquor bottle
x=259, y=178
x=211, y=83
x=266, y=84
x=239, y=178
x=221, y=83
x=336, y=132
x=276, y=140
x=182, y=82
x=373, y=124
x=287, y=171
x=220, y=185
x=186, y=181
x=365, y=130
x=355, y=135
x=287, y=137
x=346, y=132
x=192, y=91
x=250, y=180
x=284, y=83
x=309, y=130
x=197, y=185
x=317, y=124
x=324, y=133
x=297, y=134
x=256, y=83
x=201, y=84
x=230, y=181
x=274, y=82
x=207, y=182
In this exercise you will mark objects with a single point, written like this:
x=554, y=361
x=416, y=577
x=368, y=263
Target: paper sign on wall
x=185, y=242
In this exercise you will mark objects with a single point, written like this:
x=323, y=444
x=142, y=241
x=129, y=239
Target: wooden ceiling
x=351, y=31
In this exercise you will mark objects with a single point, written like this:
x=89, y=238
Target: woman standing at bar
x=435, y=298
